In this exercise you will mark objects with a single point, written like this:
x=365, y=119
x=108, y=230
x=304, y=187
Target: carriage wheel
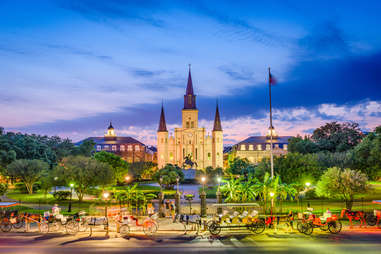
x=300, y=227
x=44, y=227
x=83, y=226
x=324, y=228
x=6, y=226
x=20, y=223
x=72, y=227
x=149, y=228
x=260, y=226
x=54, y=226
x=371, y=220
x=335, y=227
x=214, y=229
x=124, y=230
x=307, y=228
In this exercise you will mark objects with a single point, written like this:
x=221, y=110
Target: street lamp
x=71, y=196
x=203, y=180
x=127, y=178
x=308, y=184
x=105, y=196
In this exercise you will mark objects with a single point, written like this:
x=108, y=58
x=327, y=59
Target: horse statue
x=356, y=215
x=188, y=162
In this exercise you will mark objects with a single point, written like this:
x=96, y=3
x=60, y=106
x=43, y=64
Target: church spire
x=217, y=121
x=189, y=97
x=162, y=124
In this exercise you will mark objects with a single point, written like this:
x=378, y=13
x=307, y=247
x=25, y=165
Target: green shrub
x=62, y=195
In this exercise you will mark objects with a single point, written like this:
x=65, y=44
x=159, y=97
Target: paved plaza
x=356, y=240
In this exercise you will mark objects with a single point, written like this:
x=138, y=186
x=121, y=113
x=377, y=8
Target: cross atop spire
x=189, y=97
x=162, y=124
x=217, y=120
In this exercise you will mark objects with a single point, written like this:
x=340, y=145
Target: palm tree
x=231, y=189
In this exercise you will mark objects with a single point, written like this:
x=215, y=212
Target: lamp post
x=55, y=185
x=71, y=196
x=161, y=199
x=203, y=197
x=177, y=200
x=219, y=196
x=272, y=202
x=127, y=178
x=105, y=196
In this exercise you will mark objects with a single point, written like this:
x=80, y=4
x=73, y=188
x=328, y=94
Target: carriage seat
x=325, y=216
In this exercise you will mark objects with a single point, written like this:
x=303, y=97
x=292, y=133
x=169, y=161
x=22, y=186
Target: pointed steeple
x=162, y=124
x=189, y=97
x=189, y=84
x=217, y=121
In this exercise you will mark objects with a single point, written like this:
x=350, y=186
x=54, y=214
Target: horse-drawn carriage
x=237, y=216
x=328, y=222
x=375, y=218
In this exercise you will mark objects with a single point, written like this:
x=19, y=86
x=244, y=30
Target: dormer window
x=259, y=147
x=268, y=147
x=243, y=147
x=251, y=147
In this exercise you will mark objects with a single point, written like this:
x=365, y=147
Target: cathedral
x=190, y=141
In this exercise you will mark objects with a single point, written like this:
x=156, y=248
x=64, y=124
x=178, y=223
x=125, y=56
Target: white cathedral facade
x=190, y=140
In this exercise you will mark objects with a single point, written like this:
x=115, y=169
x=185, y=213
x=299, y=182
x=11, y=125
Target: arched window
x=187, y=125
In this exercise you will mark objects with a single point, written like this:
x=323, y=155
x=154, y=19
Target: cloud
x=287, y=122
x=107, y=11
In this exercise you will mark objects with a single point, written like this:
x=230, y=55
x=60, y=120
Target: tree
x=303, y=146
x=293, y=167
x=85, y=173
x=336, y=137
x=367, y=154
x=3, y=189
x=29, y=171
x=143, y=169
x=342, y=184
x=118, y=165
x=168, y=174
x=86, y=148
x=238, y=166
x=46, y=181
x=337, y=159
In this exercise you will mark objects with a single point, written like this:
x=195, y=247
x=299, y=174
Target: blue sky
x=69, y=67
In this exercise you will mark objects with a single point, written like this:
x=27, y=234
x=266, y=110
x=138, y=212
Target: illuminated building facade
x=190, y=140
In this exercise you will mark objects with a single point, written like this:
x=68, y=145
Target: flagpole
x=271, y=131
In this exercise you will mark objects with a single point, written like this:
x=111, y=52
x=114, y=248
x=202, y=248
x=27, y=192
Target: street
x=356, y=240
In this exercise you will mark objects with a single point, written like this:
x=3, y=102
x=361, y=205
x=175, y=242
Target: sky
x=69, y=67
